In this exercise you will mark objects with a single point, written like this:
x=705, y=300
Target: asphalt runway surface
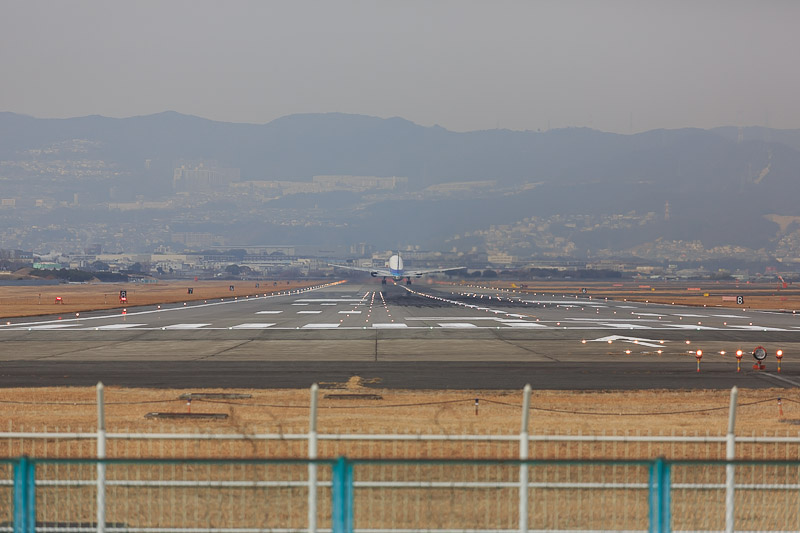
x=427, y=336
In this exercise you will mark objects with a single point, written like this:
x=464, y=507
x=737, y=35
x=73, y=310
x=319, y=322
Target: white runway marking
x=633, y=340
x=457, y=325
x=437, y=318
x=349, y=312
x=327, y=304
x=268, y=312
x=388, y=326
x=52, y=326
x=623, y=325
x=320, y=300
x=690, y=326
x=627, y=307
x=524, y=325
x=581, y=319
x=320, y=326
x=757, y=328
x=691, y=316
x=254, y=325
x=732, y=316
x=119, y=326
x=186, y=326
x=308, y=312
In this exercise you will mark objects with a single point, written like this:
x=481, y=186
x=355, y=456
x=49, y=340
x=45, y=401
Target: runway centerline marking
x=186, y=326
x=268, y=312
x=308, y=312
x=254, y=325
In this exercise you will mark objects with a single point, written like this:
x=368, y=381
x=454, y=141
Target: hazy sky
x=612, y=65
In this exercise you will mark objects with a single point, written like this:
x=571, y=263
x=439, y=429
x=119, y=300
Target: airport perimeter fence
x=395, y=496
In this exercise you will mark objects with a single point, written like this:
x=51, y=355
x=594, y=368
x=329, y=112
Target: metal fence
x=396, y=496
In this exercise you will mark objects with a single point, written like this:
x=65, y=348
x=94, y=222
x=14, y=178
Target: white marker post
x=101, y=454
x=730, y=455
x=524, y=443
x=312, y=467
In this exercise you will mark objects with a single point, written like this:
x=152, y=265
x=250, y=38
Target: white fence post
x=523, y=455
x=101, y=454
x=730, y=455
x=312, y=467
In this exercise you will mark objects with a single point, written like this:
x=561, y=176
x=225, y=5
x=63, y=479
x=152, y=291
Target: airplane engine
x=373, y=274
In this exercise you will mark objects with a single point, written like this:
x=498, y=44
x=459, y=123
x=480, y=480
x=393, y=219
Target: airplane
x=396, y=270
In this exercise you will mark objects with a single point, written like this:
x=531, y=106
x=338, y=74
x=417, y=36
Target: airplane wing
x=373, y=271
x=418, y=273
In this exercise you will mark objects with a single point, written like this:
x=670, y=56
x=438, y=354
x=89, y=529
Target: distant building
x=194, y=240
x=203, y=177
x=360, y=183
x=47, y=266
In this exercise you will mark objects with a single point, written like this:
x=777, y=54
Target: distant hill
x=301, y=146
x=718, y=186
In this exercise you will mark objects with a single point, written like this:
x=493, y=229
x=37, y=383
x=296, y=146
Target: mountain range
x=723, y=187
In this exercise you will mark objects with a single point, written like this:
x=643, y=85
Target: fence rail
x=393, y=496
x=520, y=482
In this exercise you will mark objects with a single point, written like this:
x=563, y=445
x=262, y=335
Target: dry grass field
x=41, y=300
x=703, y=293
x=399, y=412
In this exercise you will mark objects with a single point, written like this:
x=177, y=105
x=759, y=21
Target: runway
x=420, y=337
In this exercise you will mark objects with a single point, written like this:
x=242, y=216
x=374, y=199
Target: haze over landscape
x=501, y=133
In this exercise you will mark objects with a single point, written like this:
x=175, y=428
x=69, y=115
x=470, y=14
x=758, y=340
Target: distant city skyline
x=619, y=65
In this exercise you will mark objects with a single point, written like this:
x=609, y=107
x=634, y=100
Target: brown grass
x=710, y=293
x=404, y=412
x=31, y=301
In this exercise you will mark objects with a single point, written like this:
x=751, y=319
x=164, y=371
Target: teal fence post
x=342, y=519
x=665, y=501
x=659, y=496
x=24, y=496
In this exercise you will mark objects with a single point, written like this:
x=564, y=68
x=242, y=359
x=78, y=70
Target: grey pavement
x=423, y=336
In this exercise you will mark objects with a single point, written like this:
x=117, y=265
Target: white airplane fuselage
x=396, y=267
